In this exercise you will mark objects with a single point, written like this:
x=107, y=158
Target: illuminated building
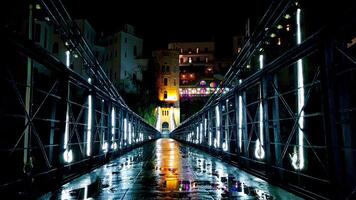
x=167, y=68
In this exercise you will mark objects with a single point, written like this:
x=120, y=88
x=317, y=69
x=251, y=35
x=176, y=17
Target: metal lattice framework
x=283, y=118
x=59, y=123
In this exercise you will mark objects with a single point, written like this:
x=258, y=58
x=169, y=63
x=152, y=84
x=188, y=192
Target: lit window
x=165, y=95
x=206, y=59
x=198, y=50
x=190, y=59
x=279, y=41
x=181, y=50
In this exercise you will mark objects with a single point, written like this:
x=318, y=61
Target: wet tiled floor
x=166, y=169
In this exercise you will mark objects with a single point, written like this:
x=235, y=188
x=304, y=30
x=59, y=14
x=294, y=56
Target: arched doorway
x=165, y=126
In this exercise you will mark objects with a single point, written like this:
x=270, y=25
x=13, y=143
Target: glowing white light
x=68, y=156
x=259, y=151
x=240, y=123
x=197, y=135
x=225, y=146
x=67, y=58
x=113, y=143
x=172, y=124
x=125, y=129
x=105, y=147
x=217, y=113
x=112, y=124
x=66, y=130
x=298, y=155
x=89, y=125
x=201, y=133
x=158, y=124
x=130, y=138
x=205, y=126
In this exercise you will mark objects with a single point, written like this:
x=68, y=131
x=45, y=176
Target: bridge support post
x=330, y=127
x=264, y=86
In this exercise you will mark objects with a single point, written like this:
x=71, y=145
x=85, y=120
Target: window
x=167, y=69
x=197, y=50
x=125, y=54
x=175, y=82
x=181, y=60
x=163, y=68
x=206, y=59
x=206, y=49
x=165, y=81
x=55, y=48
x=181, y=50
x=190, y=59
x=125, y=40
x=198, y=59
x=165, y=95
x=135, y=51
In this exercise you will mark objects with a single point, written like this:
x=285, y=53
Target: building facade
x=123, y=58
x=167, y=82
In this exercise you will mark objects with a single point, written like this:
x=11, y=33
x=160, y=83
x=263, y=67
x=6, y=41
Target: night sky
x=160, y=22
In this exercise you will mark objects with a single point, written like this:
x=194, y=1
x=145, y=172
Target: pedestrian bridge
x=284, y=130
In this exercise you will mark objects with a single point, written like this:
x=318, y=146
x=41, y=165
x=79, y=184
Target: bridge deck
x=165, y=169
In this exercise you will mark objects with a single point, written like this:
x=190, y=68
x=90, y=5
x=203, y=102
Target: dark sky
x=160, y=22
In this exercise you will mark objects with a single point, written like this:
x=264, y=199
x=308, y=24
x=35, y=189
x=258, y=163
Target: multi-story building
x=167, y=69
x=122, y=59
x=196, y=65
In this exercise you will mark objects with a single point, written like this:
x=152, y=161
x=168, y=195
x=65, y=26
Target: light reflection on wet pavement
x=166, y=169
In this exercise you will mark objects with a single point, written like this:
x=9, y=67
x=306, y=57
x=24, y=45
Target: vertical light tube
x=113, y=124
x=259, y=151
x=197, y=135
x=171, y=120
x=130, y=138
x=89, y=121
x=68, y=58
x=67, y=155
x=158, y=124
x=240, y=123
x=300, y=98
x=217, y=114
x=201, y=133
x=125, y=130
x=89, y=124
x=205, y=126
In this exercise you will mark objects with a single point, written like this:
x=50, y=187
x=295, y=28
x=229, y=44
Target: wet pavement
x=166, y=169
